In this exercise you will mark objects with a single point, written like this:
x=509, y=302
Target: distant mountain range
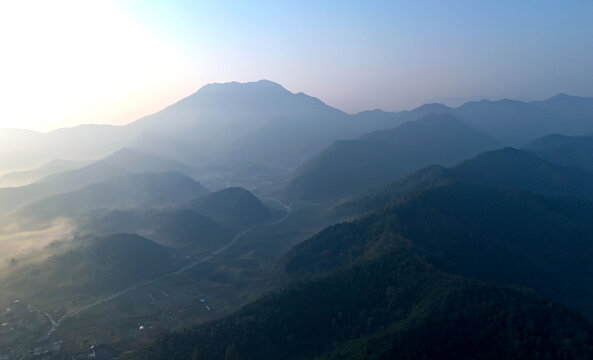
x=574, y=151
x=137, y=190
x=121, y=163
x=259, y=121
x=26, y=177
x=263, y=123
x=349, y=167
x=516, y=122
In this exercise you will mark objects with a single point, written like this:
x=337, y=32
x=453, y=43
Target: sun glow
x=60, y=59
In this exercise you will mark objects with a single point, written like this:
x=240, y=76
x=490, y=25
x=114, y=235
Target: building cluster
x=21, y=325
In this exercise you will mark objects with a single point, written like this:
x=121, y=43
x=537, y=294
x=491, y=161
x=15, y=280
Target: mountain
x=257, y=121
x=122, y=162
x=148, y=189
x=264, y=123
x=350, y=167
x=187, y=230
x=510, y=121
x=93, y=266
x=397, y=284
x=503, y=236
x=233, y=206
x=179, y=229
x=393, y=308
x=519, y=169
x=573, y=107
x=26, y=177
x=574, y=151
x=504, y=168
x=138, y=161
x=516, y=122
x=27, y=149
x=424, y=110
x=168, y=148
x=83, y=142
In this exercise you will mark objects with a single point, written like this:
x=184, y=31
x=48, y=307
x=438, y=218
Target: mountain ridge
x=504, y=168
x=385, y=155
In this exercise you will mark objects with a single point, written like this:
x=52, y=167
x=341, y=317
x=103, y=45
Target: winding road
x=237, y=237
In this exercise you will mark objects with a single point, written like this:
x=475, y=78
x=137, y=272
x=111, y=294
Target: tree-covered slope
x=397, y=306
x=504, y=236
x=404, y=283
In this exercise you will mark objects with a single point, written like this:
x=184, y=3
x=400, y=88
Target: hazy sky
x=65, y=62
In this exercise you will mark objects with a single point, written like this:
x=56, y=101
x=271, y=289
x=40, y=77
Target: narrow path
x=74, y=312
x=53, y=322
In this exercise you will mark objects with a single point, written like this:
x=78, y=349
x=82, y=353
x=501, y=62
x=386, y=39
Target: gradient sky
x=66, y=62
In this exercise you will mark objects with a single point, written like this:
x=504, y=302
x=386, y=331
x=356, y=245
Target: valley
x=303, y=232
x=193, y=279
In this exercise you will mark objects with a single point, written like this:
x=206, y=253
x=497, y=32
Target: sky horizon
x=451, y=102
x=74, y=62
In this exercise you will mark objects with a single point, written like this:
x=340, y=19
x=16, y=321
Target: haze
x=296, y=180
x=70, y=62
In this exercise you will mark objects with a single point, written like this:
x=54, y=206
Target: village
x=21, y=327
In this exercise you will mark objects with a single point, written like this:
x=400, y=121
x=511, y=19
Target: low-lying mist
x=29, y=246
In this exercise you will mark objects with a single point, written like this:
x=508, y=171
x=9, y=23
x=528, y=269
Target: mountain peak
x=432, y=107
x=563, y=97
x=560, y=96
x=234, y=86
x=234, y=206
